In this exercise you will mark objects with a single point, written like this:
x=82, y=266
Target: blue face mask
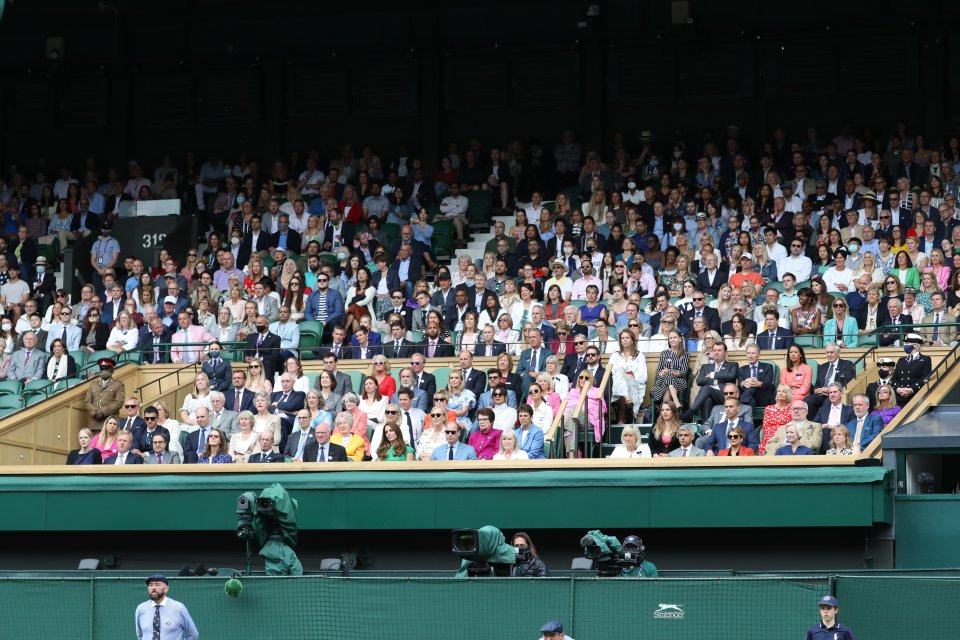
x=908, y=349
x=41, y=270
x=241, y=199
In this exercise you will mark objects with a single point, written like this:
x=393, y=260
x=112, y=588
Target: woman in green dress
x=392, y=447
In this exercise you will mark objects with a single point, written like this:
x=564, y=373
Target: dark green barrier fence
x=318, y=608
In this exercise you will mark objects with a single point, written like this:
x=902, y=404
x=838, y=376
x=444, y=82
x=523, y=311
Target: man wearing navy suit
x=774, y=337
x=151, y=337
x=699, y=309
x=299, y=438
x=473, y=379
x=432, y=346
x=264, y=345
x=422, y=380
x=533, y=359
x=286, y=403
x=453, y=449
x=239, y=389
x=219, y=371
x=833, y=411
x=574, y=363
x=487, y=347
x=711, y=379
x=717, y=439
x=397, y=346
x=756, y=380
x=834, y=369
x=863, y=427
x=321, y=449
x=265, y=452
x=124, y=455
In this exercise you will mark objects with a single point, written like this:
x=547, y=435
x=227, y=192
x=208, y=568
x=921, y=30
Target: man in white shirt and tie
x=686, y=449
x=321, y=449
x=938, y=335
x=124, y=455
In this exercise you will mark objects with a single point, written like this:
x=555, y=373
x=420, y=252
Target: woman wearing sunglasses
x=432, y=436
x=591, y=413
x=736, y=437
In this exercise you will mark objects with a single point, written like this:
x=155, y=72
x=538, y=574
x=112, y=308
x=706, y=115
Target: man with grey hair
x=834, y=411
x=299, y=438
x=810, y=433
x=221, y=417
x=265, y=452
x=407, y=380
x=864, y=427
x=533, y=359
x=285, y=403
x=321, y=449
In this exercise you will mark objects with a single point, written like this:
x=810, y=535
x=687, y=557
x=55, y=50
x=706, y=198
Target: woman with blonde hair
x=106, y=440
x=592, y=416
x=256, y=379
x=263, y=420
x=840, y=444
x=124, y=335
x=244, y=442
x=87, y=453
x=509, y=449
x=886, y=407
x=630, y=446
x=200, y=397
x=460, y=399
x=432, y=436
x=776, y=415
x=724, y=304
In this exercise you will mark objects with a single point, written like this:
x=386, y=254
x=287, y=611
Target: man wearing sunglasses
x=453, y=449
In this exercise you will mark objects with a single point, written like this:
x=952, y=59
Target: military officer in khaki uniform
x=105, y=396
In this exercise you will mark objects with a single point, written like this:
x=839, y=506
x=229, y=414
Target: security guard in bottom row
x=829, y=628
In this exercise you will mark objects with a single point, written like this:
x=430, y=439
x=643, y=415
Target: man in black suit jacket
x=285, y=403
x=711, y=379
x=712, y=277
x=774, y=337
x=406, y=258
x=124, y=452
x=756, y=380
x=246, y=396
x=155, y=332
x=255, y=241
x=473, y=379
x=334, y=232
x=427, y=382
x=495, y=347
x=218, y=370
x=293, y=237
x=710, y=316
x=834, y=399
x=834, y=369
x=89, y=224
x=908, y=169
x=899, y=324
x=574, y=363
x=885, y=367
x=264, y=345
x=397, y=346
x=431, y=340
x=265, y=452
x=321, y=449
x=912, y=370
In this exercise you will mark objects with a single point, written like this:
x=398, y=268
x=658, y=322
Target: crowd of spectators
x=691, y=251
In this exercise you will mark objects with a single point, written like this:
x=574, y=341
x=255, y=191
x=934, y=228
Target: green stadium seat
x=809, y=342
x=33, y=398
x=356, y=378
x=312, y=378
x=478, y=207
x=442, y=374
x=442, y=245
x=80, y=357
x=10, y=401
x=34, y=386
x=10, y=387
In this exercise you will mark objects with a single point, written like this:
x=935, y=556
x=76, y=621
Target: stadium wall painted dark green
x=927, y=527
x=318, y=608
x=780, y=497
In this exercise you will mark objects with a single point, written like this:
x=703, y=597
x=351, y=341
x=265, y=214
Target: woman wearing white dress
x=199, y=398
x=124, y=336
x=630, y=447
x=628, y=369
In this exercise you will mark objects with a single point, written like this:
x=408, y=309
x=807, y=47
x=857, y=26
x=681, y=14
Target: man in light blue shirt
x=163, y=618
x=453, y=449
x=288, y=331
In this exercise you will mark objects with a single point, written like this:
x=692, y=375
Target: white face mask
x=568, y=251
x=235, y=241
x=6, y=326
x=677, y=226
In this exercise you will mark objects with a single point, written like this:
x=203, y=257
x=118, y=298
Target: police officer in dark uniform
x=829, y=628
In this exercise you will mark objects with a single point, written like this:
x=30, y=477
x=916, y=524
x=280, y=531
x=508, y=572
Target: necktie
x=406, y=415
x=489, y=351
x=753, y=371
x=396, y=348
x=237, y=402
x=773, y=340
x=201, y=441
x=579, y=362
x=432, y=350
x=156, y=622
x=129, y=426
x=936, y=329
x=301, y=445
x=450, y=452
x=323, y=453
x=534, y=360
x=159, y=458
x=156, y=349
x=121, y=458
x=260, y=339
x=64, y=335
x=26, y=359
x=423, y=318
x=684, y=453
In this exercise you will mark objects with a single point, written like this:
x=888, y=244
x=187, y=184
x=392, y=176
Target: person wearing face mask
x=632, y=194
x=104, y=254
x=105, y=395
x=44, y=284
x=911, y=371
x=885, y=368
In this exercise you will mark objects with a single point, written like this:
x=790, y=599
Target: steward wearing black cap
x=163, y=618
x=105, y=395
x=829, y=628
x=912, y=370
